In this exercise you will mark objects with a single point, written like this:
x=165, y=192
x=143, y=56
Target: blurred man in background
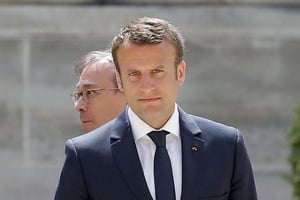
x=97, y=97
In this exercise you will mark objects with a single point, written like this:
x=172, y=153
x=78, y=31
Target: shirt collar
x=140, y=128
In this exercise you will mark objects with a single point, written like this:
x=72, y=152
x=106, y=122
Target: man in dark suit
x=194, y=159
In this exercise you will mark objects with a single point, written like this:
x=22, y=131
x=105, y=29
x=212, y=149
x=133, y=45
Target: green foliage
x=294, y=157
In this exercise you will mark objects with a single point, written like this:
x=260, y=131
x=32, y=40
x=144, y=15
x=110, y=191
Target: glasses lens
x=87, y=95
x=75, y=96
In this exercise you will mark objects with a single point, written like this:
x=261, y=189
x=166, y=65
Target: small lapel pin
x=194, y=148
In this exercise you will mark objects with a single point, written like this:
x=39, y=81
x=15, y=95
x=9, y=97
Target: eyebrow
x=156, y=67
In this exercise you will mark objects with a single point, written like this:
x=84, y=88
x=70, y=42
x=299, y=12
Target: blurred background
x=243, y=69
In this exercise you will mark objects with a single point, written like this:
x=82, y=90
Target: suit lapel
x=192, y=155
x=125, y=154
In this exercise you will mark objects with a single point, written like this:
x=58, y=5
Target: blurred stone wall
x=243, y=70
x=161, y=2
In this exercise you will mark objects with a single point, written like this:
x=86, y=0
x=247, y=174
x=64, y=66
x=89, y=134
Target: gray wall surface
x=159, y=2
x=243, y=70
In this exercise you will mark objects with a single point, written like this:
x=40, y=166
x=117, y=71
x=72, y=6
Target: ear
x=181, y=70
x=119, y=81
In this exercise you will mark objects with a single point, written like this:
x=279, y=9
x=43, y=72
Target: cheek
x=128, y=86
x=97, y=105
x=130, y=94
x=108, y=101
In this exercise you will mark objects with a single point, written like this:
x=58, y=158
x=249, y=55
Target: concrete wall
x=242, y=70
x=159, y=2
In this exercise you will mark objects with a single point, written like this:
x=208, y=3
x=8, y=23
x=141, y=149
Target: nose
x=80, y=105
x=147, y=83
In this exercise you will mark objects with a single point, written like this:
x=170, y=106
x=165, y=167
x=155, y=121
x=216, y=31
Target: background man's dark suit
x=104, y=164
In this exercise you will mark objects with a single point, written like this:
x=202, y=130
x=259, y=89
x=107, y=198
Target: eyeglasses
x=87, y=94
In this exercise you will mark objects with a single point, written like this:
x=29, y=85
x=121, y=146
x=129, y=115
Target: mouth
x=149, y=100
x=85, y=121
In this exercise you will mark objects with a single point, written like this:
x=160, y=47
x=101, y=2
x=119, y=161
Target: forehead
x=130, y=54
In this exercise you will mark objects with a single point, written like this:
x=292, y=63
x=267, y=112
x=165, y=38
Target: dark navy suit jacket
x=104, y=164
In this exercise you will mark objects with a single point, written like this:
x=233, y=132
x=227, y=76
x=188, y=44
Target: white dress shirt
x=146, y=148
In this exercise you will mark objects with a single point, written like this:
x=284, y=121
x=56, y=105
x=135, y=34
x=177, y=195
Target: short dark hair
x=147, y=30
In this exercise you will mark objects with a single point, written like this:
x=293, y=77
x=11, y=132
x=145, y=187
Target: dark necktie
x=163, y=176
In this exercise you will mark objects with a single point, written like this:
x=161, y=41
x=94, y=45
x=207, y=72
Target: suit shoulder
x=214, y=128
x=98, y=136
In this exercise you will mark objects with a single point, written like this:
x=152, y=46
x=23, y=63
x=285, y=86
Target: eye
x=133, y=73
x=157, y=73
x=89, y=92
x=78, y=95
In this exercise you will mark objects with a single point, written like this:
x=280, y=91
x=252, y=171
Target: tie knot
x=158, y=137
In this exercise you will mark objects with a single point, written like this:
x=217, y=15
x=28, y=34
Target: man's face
x=150, y=80
x=103, y=105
